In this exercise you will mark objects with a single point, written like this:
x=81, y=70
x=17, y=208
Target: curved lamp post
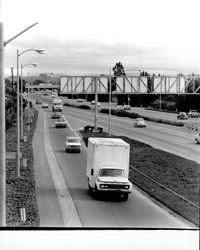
x=2, y=123
x=40, y=51
x=23, y=66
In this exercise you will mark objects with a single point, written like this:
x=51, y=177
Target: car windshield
x=112, y=172
x=73, y=139
x=61, y=120
x=140, y=120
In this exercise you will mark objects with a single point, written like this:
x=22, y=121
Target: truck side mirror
x=92, y=171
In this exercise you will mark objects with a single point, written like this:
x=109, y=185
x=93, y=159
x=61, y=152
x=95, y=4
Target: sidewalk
x=48, y=206
x=55, y=205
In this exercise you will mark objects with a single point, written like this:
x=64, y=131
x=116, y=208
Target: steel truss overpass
x=130, y=84
x=43, y=86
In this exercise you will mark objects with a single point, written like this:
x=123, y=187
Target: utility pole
x=96, y=103
x=12, y=82
x=2, y=134
x=3, y=124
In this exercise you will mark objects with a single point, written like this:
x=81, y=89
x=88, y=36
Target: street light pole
x=22, y=123
x=22, y=133
x=3, y=125
x=40, y=51
x=2, y=134
x=110, y=86
x=18, y=129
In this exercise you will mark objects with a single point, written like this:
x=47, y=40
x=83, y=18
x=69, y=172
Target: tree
x=118, y=70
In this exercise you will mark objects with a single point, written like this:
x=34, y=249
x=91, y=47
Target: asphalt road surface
x=107, y=212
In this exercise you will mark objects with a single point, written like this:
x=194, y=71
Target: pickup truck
x=193, y=113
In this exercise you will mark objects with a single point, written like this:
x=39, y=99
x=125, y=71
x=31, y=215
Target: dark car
x=38, y=101
x=56, y=115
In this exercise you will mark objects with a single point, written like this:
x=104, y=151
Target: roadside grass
x=20, y=192
x=174, y=173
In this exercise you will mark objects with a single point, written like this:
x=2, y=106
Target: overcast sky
x=90, y=36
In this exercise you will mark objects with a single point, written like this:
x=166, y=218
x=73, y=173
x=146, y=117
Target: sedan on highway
x=182, y=116
x=98, y=103
x=45, y=105
x=61, y=123
x=120, y=107
x=73, y=144
x=127, y=107
x=140, y=122
x=38, y=101
x=197, y=138
x=56, y=115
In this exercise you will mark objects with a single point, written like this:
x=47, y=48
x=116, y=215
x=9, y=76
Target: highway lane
x=144, y=112
x=137, y=212
x=176, y=140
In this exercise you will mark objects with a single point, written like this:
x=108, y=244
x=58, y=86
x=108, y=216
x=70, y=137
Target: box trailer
x=108, y=166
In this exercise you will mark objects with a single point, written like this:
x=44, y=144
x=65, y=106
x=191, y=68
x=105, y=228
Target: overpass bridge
x=42, y=86
x=179, y=84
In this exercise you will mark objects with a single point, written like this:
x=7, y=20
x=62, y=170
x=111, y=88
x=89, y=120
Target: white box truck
x=108, y=166
x=57, y=104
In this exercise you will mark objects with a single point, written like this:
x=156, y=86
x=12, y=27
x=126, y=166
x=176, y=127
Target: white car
x=73, y=144
x=193, y=113
x=140, y=122
x=197, y=138
x=61, y=123
x=127, y=107
x=45, y=105
x=120, y=107
x=98, y=103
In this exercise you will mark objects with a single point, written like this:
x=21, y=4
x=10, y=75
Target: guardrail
x=168, y=189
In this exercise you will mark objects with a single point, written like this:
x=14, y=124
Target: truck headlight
x=103, y=186
x=127, y=187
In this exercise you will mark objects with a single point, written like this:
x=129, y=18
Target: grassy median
x=175, y=175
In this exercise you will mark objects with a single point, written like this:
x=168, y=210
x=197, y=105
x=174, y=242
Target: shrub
x=106, y=111
x=123, y=113
x=84, y=106
x=134, y=115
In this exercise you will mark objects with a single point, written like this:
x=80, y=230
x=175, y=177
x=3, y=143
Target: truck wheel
x=90, y=190
x=96, y=192
x=125, y=197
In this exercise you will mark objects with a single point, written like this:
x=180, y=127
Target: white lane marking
x=67, y=207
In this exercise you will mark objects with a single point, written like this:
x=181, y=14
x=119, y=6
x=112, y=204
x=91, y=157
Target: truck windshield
x=73, y=140
x=112, y=172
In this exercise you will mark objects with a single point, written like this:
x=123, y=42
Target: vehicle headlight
x=127, y=187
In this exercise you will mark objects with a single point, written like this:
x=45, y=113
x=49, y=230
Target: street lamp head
x=35, y=64
x=41, y=51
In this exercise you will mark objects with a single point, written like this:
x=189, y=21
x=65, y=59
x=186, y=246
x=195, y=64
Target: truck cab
x=57, y=104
